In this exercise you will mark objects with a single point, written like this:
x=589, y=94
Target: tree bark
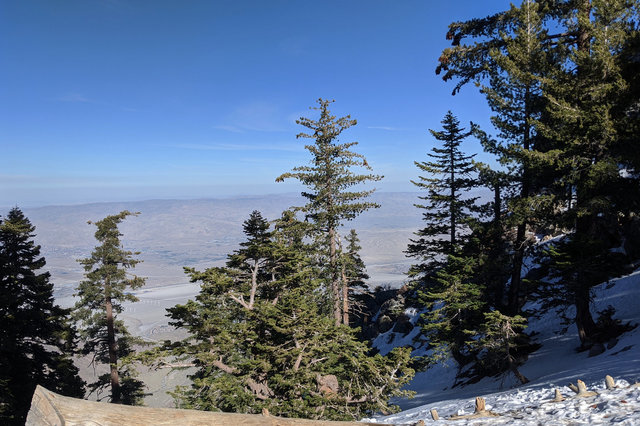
x=515, y=290
x=516, y=274
x=254, y=284
x=113, y=351
x=345, y=298
x=335, y=280
x=584, y=321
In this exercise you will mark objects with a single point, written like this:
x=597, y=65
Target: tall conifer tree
x=510, y=55
x=446, y=212
x=587, y=112
x=330, y=178
x=443, y=278
x=101, y=293
x=36, y=338
x=565, y=61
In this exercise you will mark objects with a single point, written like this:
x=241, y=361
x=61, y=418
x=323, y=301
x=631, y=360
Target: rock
x=384, y=324
x=403, y=325
x=328, y=384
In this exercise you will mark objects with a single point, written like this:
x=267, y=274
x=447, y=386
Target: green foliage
x=449, y=175
x=353, y=265
x=454, y=309
x=101, y=293
x=37, y=339
x=266, y=343
x=561, y=78
x=332, y=198
x=498, y=343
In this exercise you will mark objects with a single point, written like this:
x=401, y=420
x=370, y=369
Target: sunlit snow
x=553, y=366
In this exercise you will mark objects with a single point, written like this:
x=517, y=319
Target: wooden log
x=480, y=411
x=480, y=404
x=51, y=409
x=434, y=414
x=583, y=392
x=574, y=388
x=558, y=396
x=609, y=382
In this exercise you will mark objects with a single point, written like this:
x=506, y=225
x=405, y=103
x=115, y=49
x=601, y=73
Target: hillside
x=553, y=366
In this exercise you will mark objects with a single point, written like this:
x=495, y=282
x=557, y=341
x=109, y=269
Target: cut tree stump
x=609, y=382
x=583, y=392
x=434, y=414
x=51, y=409
x=574, y=388
x=480, y=411
x=558, y=396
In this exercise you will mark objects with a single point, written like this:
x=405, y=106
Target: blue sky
x=105, y=100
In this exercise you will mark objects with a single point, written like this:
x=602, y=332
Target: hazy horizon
x=117, y=100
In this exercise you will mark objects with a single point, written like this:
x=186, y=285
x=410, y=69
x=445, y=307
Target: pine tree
x=499, y=340
x=510, y=55
x=566, y=62
x=354, y=274
x=282, y=353
x=454, y=305
x=586, y=116
x=37, y=339
x=445, y=211
x=101, y=293
x=330, y=180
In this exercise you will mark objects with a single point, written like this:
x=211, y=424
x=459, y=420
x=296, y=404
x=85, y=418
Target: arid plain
x=172, y=234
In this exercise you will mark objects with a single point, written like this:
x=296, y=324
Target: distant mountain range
x=171, y=234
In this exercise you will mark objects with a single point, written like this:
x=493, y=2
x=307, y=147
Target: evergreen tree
x=443, y=280
x=500, y=338
x=587, y=98
x=282, y=353
x=354, y=274
x=510, y=55
x=331, y=197
x=556, y=75
x=101, y=294
x=446, y=212
x=454, y=306
x=37, y=339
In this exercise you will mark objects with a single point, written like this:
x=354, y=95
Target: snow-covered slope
x=554, y=365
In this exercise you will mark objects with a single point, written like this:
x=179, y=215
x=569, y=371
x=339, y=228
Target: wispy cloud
x=233, y=129
x=387, y=128
x=256, y=116
x=74, y=97
x=235, y=147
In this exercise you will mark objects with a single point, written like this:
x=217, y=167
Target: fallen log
x=51, y=409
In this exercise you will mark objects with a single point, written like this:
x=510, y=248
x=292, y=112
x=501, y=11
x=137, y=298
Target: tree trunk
x=345, y=298
x=254, y=284
x=452, y=211
x=497, y=206
x=584, y=321
x=516, y=275
x=113, y=352
x=335, y=280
